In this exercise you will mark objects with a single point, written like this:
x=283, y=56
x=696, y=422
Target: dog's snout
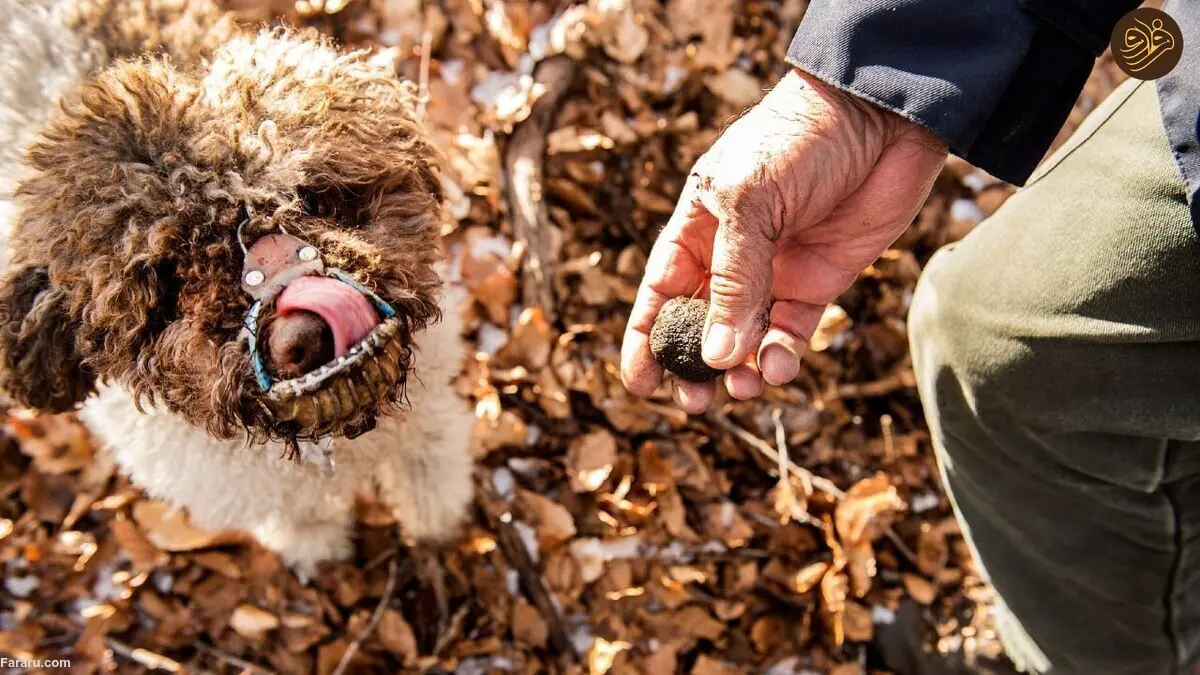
x=299, y=342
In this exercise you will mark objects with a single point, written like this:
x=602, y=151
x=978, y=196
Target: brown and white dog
x=222, y=249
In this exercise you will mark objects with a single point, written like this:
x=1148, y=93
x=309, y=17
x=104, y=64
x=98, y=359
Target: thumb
x=739, y=290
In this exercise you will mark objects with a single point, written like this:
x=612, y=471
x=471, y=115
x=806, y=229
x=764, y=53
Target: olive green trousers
x=1057, y=352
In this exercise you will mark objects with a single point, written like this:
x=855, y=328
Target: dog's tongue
x=349, y=314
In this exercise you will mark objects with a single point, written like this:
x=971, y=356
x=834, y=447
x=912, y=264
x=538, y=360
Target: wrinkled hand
x=796, y=198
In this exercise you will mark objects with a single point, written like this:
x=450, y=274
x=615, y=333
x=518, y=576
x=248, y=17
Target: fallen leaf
x=919, y=588
x=141, y=551
x=859, y=625
x=529, y=628
x=552, y=521
x=808, y=577
x=865, y=513
x=832, y=329
x=252, y=623
x=397, y=636
x=590, y=460
x=696, y=621
x=616, y=28
x=706, y=665
x=531, y=340
x=170, y=530
x=57, y=444
x=833, y=605
x=603, y=654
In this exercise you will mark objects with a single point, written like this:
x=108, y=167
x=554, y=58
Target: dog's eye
x=343, y=204
x=314, y=205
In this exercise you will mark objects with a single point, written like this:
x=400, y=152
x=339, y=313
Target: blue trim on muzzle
x=252, y=317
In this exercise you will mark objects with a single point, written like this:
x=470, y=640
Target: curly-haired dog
x=224, y=251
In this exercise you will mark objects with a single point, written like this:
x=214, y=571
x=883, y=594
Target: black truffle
x=676, y=337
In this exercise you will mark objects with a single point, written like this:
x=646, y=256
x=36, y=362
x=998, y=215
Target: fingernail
x=743, y=383
x=718, y=344
x=778, y=364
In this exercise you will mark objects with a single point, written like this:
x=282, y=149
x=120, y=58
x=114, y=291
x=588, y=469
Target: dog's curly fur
x=125, y=262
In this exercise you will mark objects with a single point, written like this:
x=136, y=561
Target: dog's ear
x=39, y=366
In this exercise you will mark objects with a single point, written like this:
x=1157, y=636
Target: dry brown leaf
x=371, y=512
x=142, y=553
x=170, y=530
x=528, y=626
x=725, y=523
x=859, y=625
x=696, y=621
x=706, y=665
x=57, y=443
x=933, y=551
x=708, y=24
x=615, y=26
x=654, y=469
x=603, y=654
x=860, y=567
x=552, y=395
x=220, y=562
x=329, y=654
x=808, y=577
x=345, y=583
x=833, y=329
x=866, y=512
x=590, y=460
x=507, y=429
x=508, y=24
x=505, y=98
x=252, y=623
x=397, y=636
x=736, y=86
x=833, y=605
x=919, y=588
x=552, y=521
x=768, y=633
x=488, y=273
x=531, y=340
x=576, y=139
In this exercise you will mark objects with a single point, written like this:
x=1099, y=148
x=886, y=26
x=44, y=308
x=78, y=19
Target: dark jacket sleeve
x=995, y=78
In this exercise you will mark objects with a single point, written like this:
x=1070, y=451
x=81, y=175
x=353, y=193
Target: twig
x=56, y=640
x=380, y=559
x=452, y=632
x=889, y=441
x=901, y=379
x=822, y=484
x=433, y=576
x=230, y=659
x=423, y=76
x=523, y=164
x=513, y=547
x=144, y=657
x=386, y=598
x=901, y=546
x=785, y=500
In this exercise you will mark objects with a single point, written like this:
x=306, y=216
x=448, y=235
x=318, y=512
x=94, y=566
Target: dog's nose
x=299, y=342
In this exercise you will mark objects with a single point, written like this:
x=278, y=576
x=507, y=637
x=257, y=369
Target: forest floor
x=639, y=540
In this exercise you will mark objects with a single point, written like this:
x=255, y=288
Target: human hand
x=796, y=198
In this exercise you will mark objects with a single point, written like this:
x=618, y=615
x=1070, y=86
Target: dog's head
x=250, y=243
